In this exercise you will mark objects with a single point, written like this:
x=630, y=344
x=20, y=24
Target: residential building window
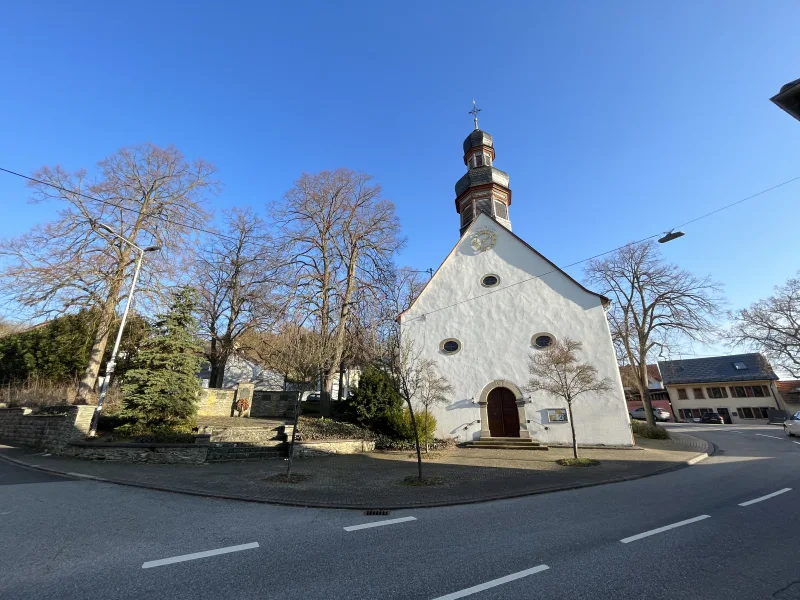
x=696, y=413
x=717, y=392
x=682, y=394
x=686, y=413
x=764, y=412
x=704, y=411
x=750, y=391
x=739, y=366
x=698, y=393
x=745, y=412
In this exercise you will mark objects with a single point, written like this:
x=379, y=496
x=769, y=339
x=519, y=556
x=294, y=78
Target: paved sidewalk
x=374, y=480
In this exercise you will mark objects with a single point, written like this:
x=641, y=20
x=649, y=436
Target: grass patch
x=321, y=428
x=427, y=455
x=282, y=478
x=644, y=430
x=415, y=481
x=578, y=462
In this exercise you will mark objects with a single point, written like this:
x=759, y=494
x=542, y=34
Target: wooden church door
x=503, y=414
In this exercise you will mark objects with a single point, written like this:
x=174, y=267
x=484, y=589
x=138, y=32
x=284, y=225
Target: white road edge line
x=769, y=436
x=639, y=536
x=767, y=497
x=185, y=557
x=795, y=442
x=493, y=583
x=379, y=523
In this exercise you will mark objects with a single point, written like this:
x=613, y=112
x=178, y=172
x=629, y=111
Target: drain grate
x=376, y=513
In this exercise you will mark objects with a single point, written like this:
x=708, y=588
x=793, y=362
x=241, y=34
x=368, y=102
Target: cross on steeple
x=474, y=112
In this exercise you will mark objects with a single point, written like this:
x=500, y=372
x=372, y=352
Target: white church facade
x=494, y=301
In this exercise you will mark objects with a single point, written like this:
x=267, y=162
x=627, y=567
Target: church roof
x=603, y=299
x=481, y=176
x=477, y=138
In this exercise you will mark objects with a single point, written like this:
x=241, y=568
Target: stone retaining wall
x=187, y=454
x=19, y=427
x=320, y=448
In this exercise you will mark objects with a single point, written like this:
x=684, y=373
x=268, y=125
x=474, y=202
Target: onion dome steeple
x=483, y=189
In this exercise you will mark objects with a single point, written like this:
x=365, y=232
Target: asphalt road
x=69, y=539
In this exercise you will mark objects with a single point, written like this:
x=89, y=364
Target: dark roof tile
x=717, y=368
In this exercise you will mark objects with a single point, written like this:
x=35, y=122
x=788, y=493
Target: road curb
x=711, y=449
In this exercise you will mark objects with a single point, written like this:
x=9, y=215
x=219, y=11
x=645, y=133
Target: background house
x=241, y=370
x=659, y=398
x=790, y=394
x=741, y=387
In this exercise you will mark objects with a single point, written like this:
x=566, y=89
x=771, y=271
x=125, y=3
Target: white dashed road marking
x=769, y=436
x=207, y=553
x=639, y=536
x=379, y=523
x=493, y=583
x=767, y=497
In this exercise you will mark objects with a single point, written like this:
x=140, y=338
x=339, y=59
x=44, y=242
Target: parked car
x=658, y=413
x=791, y=426
x=710, y=417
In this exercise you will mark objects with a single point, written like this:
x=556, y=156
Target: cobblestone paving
x=374, y=480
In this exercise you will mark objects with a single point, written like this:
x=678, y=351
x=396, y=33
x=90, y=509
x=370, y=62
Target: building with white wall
x=494, y=301
x=740, y=387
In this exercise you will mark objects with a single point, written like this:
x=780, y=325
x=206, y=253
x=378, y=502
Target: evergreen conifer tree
x=161, y=387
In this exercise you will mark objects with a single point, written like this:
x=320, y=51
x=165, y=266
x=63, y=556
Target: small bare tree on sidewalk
x=557, y=371
x=408, y=367
x=434, y=389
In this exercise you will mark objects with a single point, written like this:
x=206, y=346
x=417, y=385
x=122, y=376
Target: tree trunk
x=416, y=438
x=644, y=391
x=340, y=393
x=108, y=314
x=572, y=426
x=217, y=371
x=427, y=445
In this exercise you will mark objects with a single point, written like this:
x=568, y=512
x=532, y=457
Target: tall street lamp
x=789, y=98
x=112, y=362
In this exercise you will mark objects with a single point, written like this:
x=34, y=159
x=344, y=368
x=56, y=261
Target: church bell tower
x=483, y=189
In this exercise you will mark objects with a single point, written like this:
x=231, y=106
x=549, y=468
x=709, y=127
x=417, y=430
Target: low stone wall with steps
x=192, y=454
x=325, y=447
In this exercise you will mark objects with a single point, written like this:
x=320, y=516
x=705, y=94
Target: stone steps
x=505, y=443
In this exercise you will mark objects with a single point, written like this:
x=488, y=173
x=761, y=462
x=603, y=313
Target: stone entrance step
x=507, y=443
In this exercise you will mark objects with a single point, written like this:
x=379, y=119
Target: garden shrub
x=644, y=430
x=376, y=402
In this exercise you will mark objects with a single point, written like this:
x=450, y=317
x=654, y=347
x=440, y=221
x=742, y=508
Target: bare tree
x=340, y=235
x=407, y=367
x=151, y=196
x=235, y=276
x=772, y=326
x=557, y=371
x=434, y=389
x=654, y=305
x=292, y=350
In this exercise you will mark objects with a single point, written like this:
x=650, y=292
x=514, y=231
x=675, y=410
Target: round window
x=542, y=341
x=490, y=280
x=450, y=346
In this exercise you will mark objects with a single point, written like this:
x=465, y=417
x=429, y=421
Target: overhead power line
x=107, y=203
x=583, y=260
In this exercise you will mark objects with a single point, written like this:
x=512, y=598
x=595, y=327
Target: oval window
x=542, y=341
x=451, y=346
x=490, y=280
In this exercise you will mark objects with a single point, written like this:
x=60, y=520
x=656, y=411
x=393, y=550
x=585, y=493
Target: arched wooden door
x=503, y=414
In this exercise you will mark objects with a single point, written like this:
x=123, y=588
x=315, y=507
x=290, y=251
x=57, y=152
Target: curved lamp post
x=112, y=362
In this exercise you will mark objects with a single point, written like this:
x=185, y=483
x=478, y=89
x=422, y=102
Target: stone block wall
x=185, y=454
x=273, y=404
x=20, y=427
x=325, y=447
x=215, y=403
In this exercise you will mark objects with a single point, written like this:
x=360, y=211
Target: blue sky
x=614, y=120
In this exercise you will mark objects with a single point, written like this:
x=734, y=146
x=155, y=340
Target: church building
x=494, y=301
